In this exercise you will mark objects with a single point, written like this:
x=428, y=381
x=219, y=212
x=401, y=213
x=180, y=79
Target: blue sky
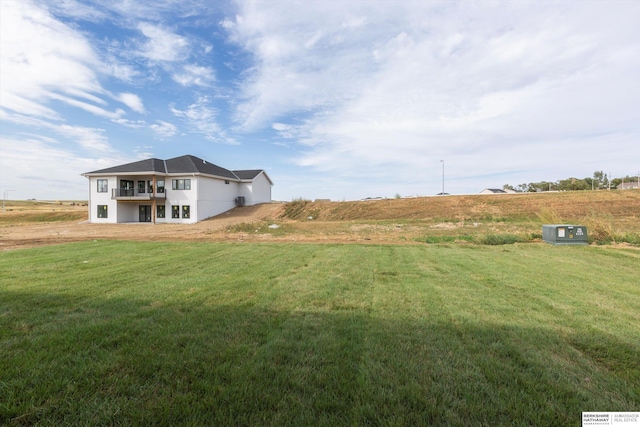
x=334, y=99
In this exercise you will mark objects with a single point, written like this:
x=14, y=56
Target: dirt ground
x=28, y=224
x=29, y=234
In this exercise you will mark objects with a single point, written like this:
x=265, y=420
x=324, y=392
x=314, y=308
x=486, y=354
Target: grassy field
x=125, y=333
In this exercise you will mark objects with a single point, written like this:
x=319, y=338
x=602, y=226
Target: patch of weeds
x=444, y=239
x=295, y=208
x=546, y=215
x=257, y=227
x=245, y=227
x=632, y=238
x=500, y=239
x=600, y=228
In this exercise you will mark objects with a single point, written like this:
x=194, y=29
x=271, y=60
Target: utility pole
x=442, y=161
x=4, y=197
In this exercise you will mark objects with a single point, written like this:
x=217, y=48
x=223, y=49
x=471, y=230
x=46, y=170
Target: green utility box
x=564, y=234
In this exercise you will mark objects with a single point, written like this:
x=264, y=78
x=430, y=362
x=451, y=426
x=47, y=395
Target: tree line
x=599, y=181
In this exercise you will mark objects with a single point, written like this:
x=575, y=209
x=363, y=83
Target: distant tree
x=573, y=184
x=599, y=179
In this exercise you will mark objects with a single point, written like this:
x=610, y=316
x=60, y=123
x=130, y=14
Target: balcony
x=135, y=195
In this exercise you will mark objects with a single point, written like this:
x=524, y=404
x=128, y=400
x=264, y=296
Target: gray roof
x=248, y=174
x=148, y=165
x=182, y=164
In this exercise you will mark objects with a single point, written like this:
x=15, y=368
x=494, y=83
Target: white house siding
x=215, y=197
x=128, y=212
x=98, y=199
x=181, y=198
x=260, y=190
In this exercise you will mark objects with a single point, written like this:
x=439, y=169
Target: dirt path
x=23, y=235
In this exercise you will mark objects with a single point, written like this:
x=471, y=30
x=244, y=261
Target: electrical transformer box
x=564, y=234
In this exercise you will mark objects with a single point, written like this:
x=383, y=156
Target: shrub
x=600, y=228
x=500, y=239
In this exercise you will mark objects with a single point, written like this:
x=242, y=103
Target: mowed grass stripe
x=277, y=334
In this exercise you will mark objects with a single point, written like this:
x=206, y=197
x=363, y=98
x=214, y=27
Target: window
x=102, y=211
x=186, y=211
x=126, y=188
x=160, y=185
x=181, y=184
x=102, y=186
x=150, y=186
x=141, y=187
x=175, y=212
x=160, y=211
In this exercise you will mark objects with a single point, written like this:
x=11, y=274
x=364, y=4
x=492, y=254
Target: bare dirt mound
x=576, y=204
x=395, y=221
x=19, y=230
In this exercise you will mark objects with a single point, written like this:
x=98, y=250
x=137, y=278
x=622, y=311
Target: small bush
x=631, y=238
x=500, y=239
x=600, y=228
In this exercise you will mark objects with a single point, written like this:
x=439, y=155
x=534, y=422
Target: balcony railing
x=125, y=194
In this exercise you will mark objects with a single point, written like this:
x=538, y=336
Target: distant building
x=628, y=185
x=498, y=191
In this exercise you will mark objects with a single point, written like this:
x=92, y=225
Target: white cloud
x=162, y=45
x=41, y=59
x=382, y=86
x=195, y=75
x=164, y=129
x=90, y=139
x=44, y=60
x=36, y=168
x=133, y=124
x=132, y=101
x=201, y=118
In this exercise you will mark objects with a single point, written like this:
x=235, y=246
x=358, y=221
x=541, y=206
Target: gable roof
x=176, y=165
x=247, y=174
x=193, y=164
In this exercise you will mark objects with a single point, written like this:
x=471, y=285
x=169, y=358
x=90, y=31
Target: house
x=181, y=190
x=497, y=191
x=629, y=185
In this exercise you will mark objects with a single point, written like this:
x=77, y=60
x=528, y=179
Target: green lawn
x=123, y=333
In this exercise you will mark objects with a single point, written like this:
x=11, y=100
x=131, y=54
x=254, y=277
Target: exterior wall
x=260, y=190
x=128, y=212
x=256, y=192
x=181, y=198
x=215, y=197
x=98, y=199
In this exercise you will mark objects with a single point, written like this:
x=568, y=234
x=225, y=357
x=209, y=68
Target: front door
x=145, y=213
